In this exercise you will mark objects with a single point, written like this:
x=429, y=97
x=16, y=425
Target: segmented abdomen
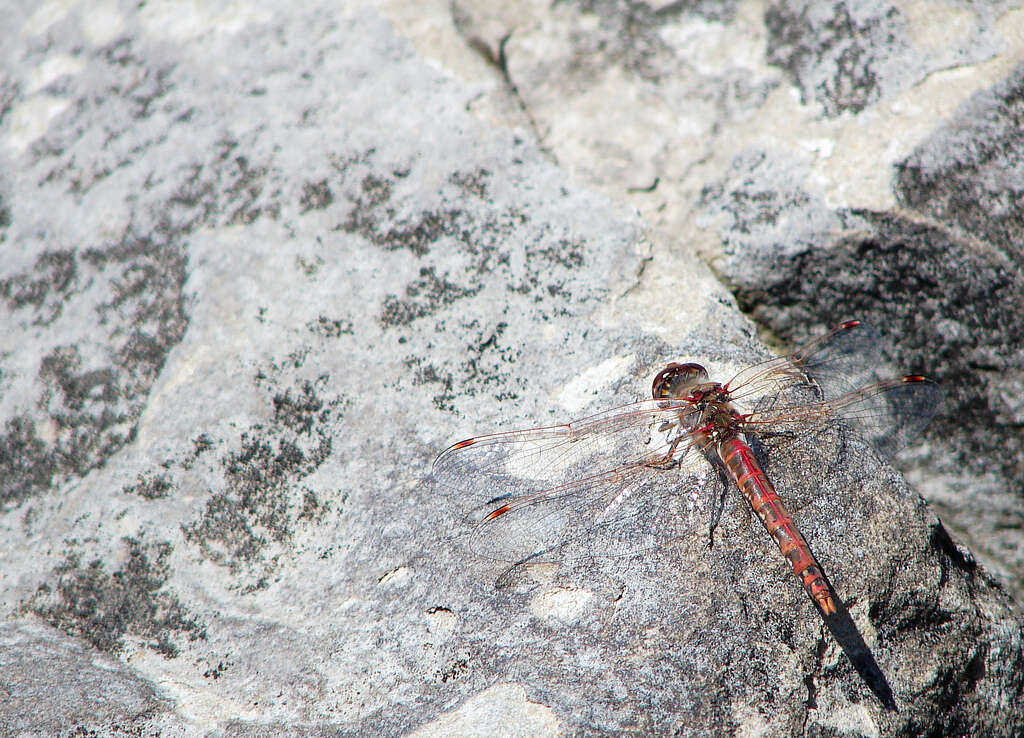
x=750, y=478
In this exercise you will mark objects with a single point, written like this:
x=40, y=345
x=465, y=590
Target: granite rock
x=261, y=265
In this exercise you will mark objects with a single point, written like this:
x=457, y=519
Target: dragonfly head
x=678, y=381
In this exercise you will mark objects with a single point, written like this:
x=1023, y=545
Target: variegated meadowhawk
x=530, y=492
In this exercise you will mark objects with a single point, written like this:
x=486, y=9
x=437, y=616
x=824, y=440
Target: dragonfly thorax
x=712, y=414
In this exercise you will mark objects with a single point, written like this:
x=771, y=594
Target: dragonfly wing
x=887, y=414
x=527, y=493
x=622, y=513
x=837, y=379
x=838, y=362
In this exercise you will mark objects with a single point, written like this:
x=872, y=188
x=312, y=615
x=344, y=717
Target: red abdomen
x=739, y=460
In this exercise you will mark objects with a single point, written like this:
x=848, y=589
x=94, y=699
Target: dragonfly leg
x=667, y=462
x=716, y=514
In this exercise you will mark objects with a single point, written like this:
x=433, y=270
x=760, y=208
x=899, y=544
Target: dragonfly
x=528, y=493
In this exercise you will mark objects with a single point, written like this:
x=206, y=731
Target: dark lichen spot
x=423, y=297
x=216, y=672
x=485, y=366
x=90, y=396
x=76, y=390
x=243, y=526
x=474, y=183
x=315, y=196
x=152, y=87
x=27, y=464
x=244, y=192
x=312, y=507
x=331, y=328
x=44, y=288
x=228, y=189
x=150, y=486
x=832, y=58
x=416, y=235
x=564, y=253
x=453, y=671
x=376, y=189
x=371, y=220
x=309, y=267
x=299, y=410
x=427, y=375
x=200, y=445
x=83, y=600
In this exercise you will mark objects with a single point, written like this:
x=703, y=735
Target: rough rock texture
x=829, y=162
x=52, y=682
x=259, y=266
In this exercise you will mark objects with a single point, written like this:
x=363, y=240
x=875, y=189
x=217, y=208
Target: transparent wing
x=525, y=494
x=836, y=379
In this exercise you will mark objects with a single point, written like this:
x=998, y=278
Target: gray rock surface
x=259, y=266
x=52, y=681
x=830, y=162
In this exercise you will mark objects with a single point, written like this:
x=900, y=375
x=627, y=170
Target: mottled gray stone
x=261, y=265
x=55, y=685
x=854, y=160
x=847, y=56
x=943, y=286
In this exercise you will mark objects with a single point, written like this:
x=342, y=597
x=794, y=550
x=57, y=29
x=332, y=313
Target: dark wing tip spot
x=500, y=511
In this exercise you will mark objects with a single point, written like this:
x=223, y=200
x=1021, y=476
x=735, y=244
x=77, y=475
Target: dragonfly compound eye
x=676, y=380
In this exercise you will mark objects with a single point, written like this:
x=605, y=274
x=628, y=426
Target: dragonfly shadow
x=845, y=633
